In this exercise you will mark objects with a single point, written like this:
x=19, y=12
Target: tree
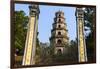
x=89, y=26
x=73, y=51
x=70, y=54
x=89, y=19
x=20, y=31
x=38, y=52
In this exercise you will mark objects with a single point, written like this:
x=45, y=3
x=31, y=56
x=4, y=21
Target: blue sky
x=46, y=19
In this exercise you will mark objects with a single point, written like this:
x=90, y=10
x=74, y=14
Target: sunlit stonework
x=81, y=38
x=30, y=45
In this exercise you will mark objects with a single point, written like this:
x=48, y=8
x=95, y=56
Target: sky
x=46, y=19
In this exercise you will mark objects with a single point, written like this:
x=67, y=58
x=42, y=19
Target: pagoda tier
x=59, y=33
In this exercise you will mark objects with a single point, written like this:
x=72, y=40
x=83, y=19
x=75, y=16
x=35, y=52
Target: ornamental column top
x=34, y=9
x=79, y=12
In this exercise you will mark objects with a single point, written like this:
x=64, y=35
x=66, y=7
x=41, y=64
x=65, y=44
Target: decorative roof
x=59, y=12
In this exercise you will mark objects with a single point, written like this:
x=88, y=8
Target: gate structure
x=30, y=45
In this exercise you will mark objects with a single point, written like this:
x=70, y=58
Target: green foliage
x=38, y=52
x=90, y=41
x=38, y=49
x=19, y=31
x=69, y=56
x=89, y=18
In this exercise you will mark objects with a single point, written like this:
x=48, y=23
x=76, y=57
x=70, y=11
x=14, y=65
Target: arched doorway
x=59, y=41
x=59, y=51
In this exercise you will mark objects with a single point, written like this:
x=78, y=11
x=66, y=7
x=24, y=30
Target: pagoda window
x=59, y=52
x=59, y=20
x=59, y=15
x=59, y=41
x=59, y=33
x=59, y=26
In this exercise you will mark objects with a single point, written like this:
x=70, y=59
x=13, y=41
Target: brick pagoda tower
x=59, y=34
